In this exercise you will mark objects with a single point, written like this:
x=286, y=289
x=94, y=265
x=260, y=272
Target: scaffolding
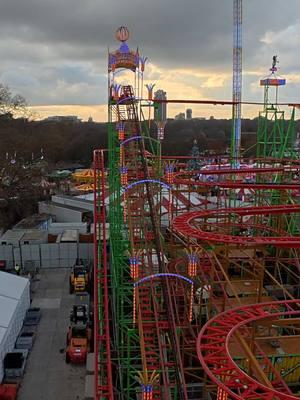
x=197, y=285
x=276, y=137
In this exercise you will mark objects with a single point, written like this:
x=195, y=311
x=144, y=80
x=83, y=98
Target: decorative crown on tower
x=123, y=57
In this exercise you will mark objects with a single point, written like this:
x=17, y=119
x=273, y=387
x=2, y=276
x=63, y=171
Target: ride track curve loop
x=183, y=224
x=184, y=178
x=214, y=354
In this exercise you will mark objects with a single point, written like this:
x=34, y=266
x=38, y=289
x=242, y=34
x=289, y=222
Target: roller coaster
x=196, y=269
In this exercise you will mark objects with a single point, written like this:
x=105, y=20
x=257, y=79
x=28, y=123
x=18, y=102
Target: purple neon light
x=170, y=168
x=116, y=88
x=143, y=59
x=120, y=125
x=147, y=388
x=133, y=138
x=148, y=180
x=134, y=260
x=124, y=48
x=125, y=99
x=112, y=59
x=148, y=278
x=193, y=257
x=130, y=139
x=150, y=86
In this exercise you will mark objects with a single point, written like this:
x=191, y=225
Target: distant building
x=90, y=120
x=189, y=113
x=180, y=116
x=160, y=113
x=211, y=117
x=62, y=118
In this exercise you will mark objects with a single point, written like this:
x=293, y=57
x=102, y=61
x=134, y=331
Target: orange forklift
x=79, y=342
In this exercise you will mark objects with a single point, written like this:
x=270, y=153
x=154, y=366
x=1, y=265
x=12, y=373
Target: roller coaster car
x=79, y=278
x=78, y=344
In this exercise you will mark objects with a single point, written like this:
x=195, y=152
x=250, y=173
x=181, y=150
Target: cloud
x=97, y=112
x=215, y=81
x=55, y=52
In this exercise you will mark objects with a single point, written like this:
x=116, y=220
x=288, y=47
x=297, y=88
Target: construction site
x=196, y=259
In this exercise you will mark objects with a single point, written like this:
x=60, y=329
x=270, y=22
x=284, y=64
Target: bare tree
x=10, y=104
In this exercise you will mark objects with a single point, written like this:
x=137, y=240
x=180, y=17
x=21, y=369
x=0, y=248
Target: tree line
x=75, y=142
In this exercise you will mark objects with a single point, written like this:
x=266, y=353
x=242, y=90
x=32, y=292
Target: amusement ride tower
x=142, y=327
x=173, y=262
x=275, y=138
x=237, y=81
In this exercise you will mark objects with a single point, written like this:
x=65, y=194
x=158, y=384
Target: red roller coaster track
x=184, y=178
x=221, y=102
x=214, y=355
x=183, y=224
x=103, y=367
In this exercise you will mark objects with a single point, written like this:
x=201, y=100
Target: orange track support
x=214, y=355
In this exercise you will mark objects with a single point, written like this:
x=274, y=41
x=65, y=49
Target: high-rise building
x=160, y=113
x=189, y=113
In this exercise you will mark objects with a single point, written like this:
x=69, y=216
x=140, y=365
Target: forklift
x=79, y=341
x=80, y=278
x=79, y=335
x=81, y=311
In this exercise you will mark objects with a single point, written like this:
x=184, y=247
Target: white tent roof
x=14, y=300
x=11, y=290
x=2, y=333
x=7, y=309
x=12, y=286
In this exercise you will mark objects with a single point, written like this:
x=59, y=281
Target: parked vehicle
x=81, y=313
x=14, y=365
x=25, y=340
x=8, y=391
x=79, y=339
x=79, y=278
x=33, y=316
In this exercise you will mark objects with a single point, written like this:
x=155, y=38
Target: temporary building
x=14, y=301
x=12, y=237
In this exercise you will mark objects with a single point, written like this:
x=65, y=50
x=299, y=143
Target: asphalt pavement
x=47, y=376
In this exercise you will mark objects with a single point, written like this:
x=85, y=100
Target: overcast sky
x=54, y=52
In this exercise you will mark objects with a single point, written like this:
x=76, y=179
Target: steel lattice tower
x=237, y=79
x=275, y=136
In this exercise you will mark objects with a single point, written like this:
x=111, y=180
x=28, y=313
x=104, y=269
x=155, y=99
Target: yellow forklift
x=79, y=278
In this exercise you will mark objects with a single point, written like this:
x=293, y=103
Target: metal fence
x=45, y=255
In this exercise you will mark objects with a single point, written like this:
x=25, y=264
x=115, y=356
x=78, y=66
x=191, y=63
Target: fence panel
x=86, y=251
x=17, y=256
x=7, y=255
x=31, y=253
x=50, y=255
x=67, y=254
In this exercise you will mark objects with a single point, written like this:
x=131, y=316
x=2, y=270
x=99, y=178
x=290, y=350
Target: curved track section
x=213, y=349
x=184, y=225
x=186, y=178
